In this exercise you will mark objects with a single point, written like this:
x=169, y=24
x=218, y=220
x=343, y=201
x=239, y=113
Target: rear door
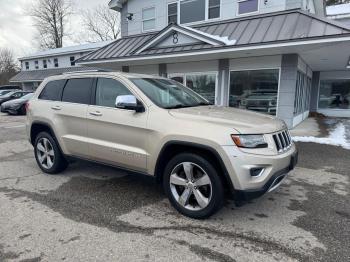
x=117, y=136
x=70, y=115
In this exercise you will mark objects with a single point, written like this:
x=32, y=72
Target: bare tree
x=8, y=65
x=51, y=17
x=101, y=23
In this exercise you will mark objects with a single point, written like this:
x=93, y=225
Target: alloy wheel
x=191, y=186
x=46, y=153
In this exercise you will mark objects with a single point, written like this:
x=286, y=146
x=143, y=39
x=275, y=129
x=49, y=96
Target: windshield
x=168, y=94
x=28, y=96
x=4, y=92
x=8, y=94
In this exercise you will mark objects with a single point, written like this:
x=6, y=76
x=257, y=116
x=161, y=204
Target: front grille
x=282, y=140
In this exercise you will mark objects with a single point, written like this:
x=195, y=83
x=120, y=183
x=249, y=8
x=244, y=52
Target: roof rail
x=86, y=71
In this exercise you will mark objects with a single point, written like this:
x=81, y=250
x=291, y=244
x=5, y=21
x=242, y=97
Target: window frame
x=94, y=90
x=227, y=101
x=215, y=6
x=93, y=83
x=44, y=63
x=72, y=63
x=184, y=76
x=206, y=19
x=145, y=20
x=177, y=11
x=26, y=64
x=248, y=13
x=54, y=62
x=36, y=64
x=320, y=109
x=61, y=92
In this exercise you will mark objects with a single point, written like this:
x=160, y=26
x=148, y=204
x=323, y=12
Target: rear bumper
x=273, y=183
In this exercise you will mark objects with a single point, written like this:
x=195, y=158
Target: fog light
x=255, y=172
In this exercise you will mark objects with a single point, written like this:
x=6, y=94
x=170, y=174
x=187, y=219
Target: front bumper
x=273, y=183
x=274, y=167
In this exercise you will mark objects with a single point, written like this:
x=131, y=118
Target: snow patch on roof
x=68, y=49
x=338, y=9
x=223, y=39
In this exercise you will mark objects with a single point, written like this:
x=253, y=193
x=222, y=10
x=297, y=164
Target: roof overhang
x=316, y=49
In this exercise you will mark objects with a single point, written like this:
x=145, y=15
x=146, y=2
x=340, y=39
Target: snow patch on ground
x=336, y=138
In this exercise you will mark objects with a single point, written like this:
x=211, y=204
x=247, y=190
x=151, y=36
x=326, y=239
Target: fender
x=225, y=174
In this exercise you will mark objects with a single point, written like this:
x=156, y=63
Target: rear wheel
x=48, y=155
x=193, y=186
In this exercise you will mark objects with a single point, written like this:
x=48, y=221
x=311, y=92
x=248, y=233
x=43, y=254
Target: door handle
x=56, y=108
x=96, y=113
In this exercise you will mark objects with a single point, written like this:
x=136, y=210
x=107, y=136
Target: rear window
x=53, y=90
x=78, y=91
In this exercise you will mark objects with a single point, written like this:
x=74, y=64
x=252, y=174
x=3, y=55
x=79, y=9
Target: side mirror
x=129, y=102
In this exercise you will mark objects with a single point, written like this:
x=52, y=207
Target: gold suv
x=158, y=127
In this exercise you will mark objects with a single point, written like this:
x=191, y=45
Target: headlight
x=249, y=141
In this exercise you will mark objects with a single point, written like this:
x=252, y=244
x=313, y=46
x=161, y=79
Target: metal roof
x=40, y=75
x=67, y=50
x=286, y=26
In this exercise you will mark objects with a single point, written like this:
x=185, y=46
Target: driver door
x=116, y=136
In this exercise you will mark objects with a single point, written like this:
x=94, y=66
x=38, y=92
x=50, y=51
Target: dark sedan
x=12, y=95
x=16, y=106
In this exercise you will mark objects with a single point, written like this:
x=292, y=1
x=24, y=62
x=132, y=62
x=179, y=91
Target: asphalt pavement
x=97, y=213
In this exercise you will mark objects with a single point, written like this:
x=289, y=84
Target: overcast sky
x=16, y=28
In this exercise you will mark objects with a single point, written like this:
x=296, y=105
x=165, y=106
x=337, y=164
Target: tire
x=22, y=110
x=55, y=161
x=183, y=194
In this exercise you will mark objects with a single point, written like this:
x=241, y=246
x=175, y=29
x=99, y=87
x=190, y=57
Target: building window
x=302, y=94
x=247, y=6
x=172, y=13
x=36, y=64
x=27, y=65
x=334, y=94
x=254, y=90
x=72, y=61
x=213, y=9
x=148, y=19
x=192, y=11
x=55, y=62
x=44, y=63
x=202, y=83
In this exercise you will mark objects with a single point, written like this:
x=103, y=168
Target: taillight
x=27, y=106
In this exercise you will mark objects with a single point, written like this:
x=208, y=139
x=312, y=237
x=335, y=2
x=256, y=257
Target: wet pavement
x=96, y=213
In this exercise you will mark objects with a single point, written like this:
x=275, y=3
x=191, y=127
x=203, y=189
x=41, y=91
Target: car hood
x=243, y=121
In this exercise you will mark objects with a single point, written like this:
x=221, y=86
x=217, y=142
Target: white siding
x=252, y=63
x=194, y=67
x=228, y=10
x=146, y=69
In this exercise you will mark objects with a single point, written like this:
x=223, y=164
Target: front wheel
x=193, y=186
x=48, y=155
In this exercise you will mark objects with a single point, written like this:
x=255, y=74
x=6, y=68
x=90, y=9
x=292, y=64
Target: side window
x=78, y=91
x=107, y=91
x=53, y=90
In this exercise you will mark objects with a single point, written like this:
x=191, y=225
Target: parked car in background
x=261, y=101
x=6, y=91
x=16, y=106
x=12, y=95
x=10, y=87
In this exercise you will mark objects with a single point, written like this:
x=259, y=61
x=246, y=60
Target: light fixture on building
x=265, y=2
x=129, y=16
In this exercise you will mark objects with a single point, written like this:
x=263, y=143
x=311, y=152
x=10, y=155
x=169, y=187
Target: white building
x=282, y=57
x=36, y=67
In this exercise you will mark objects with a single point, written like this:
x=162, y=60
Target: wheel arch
x=172, y=148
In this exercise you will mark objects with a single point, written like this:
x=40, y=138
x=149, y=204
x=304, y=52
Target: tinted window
x=53, y=90
x=107, y=91
x=192, y=11
x=78, y=91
